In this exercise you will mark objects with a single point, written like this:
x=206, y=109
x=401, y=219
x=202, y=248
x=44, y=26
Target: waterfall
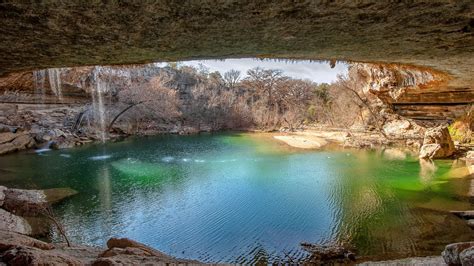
x=54, y=76
x=97, y=91
x=39, y=77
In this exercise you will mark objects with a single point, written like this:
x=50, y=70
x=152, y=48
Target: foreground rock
x=418, y=261
x=467, y=257
x=451, y=253
x=437, y=144
x=14, y=223
x=33, y=202
x=124, y=251
x=2, y=195
x=17, y=249
x=26, y=211
x=10, y=142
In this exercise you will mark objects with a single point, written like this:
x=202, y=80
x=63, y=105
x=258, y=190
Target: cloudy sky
x=303, y=69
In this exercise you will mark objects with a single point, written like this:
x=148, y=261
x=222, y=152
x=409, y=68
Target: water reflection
x=243, y=199
x=427, y=171
x=105, y=188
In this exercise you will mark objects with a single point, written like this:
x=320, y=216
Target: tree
x=231, y=78
x=154, y=100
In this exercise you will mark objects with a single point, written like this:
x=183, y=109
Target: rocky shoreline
x=25, y=214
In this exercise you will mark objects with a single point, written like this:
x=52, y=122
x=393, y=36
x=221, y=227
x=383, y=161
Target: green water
x=246, y=198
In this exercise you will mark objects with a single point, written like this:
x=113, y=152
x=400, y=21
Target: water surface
x=246, y=198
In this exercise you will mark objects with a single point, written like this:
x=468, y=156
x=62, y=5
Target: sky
x=303, y=69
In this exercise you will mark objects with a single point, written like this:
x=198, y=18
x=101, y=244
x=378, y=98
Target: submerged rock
x=437, y=143
x=328, y=253
x=54, y=195
x=452, y=251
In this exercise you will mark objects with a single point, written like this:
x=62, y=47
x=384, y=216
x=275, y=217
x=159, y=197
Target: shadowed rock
x=452, y=251
x=33, y=202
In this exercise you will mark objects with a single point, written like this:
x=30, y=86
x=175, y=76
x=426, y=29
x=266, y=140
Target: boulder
x=10, y=142
x=467, y=257
x=25, y=202
x=124, y=251
x=13, y=223
x=2, y=195
x=402, y=128
x=7, y=137
x=470, y=161
x=24, y=255
x=437, y=143
x=451, y=252
x=63, y=143
x=33, y=202
x=9, y=239
x=123, y=243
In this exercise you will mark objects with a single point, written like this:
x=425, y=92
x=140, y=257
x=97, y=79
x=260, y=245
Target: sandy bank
x=302, y=142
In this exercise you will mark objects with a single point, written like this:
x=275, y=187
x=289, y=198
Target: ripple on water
x=100, y=157
x=236, y=204
x=42, y=150
x=167, y=159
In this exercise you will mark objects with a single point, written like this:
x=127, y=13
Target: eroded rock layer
x=436, y=34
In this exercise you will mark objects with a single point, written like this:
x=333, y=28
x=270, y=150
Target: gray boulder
x=467, y=257
x=2, y=195
x=452, y=251
x=13, y=223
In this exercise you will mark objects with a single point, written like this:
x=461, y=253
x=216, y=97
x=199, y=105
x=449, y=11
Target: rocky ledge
x=18, y=249
x=27, y=211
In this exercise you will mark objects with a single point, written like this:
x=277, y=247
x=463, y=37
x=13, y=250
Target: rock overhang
x=436, y=35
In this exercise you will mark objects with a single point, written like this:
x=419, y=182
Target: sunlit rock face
x=415, y=92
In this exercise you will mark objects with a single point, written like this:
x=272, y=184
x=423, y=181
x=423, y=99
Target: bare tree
x=231, y=78
x=154, y=99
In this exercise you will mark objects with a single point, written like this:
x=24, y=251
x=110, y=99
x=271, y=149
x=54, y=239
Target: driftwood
x=327, y=253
